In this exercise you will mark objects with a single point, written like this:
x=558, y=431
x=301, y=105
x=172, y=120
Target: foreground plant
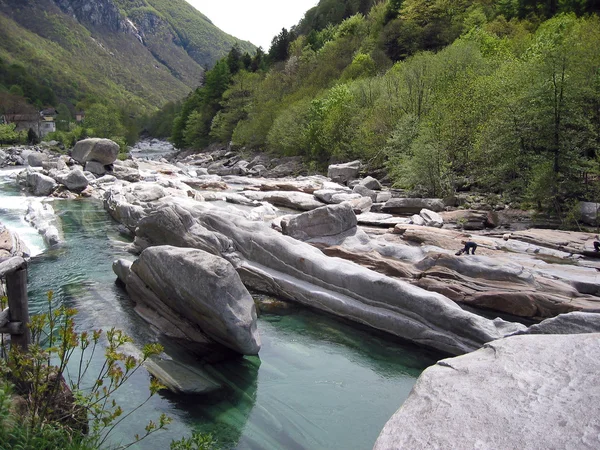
x=51, y=378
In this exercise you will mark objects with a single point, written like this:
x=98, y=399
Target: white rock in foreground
x=522, y=392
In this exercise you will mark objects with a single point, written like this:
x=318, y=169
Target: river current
x=318, y=383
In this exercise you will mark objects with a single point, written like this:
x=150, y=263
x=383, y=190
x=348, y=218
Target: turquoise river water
x=318, y=383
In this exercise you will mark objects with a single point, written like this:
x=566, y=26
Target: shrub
x=58, y=402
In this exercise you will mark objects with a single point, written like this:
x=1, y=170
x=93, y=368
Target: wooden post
x=18, y=307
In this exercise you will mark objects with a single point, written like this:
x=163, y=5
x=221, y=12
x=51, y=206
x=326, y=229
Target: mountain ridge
x=142, y=53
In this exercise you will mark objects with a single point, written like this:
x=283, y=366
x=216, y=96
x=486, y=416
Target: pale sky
x=257, y=21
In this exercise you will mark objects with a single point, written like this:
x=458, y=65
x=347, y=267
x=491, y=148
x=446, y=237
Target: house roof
x=49, y=112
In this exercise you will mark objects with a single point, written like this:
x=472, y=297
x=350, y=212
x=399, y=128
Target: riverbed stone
x=295, y=200
x=527, y=392
x=324, y=221
x=569, y=323
x=37, y=159
x=40, y=184
x=201, y=288
x=103, y=151
x=371, y=183
x=122, y=268
x=75, y=180
x=11, y=244
x=431, y=218
x=43, y=218
x=181, y=378
x=342, y=173
x=365, y=192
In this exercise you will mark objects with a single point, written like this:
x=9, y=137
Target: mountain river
x=318, y=383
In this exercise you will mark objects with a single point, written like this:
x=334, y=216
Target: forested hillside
x=498, y=96
x=119, y=58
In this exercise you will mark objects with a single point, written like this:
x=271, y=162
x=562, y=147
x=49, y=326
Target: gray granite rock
x=103, y=151
x=282, y=266
x=342, y=173
x=589, y=212
x=122, y=268
x=412, y=205
x=294, y=200
x=432, y=219
x=371, y=183
x=570, y=323
x=325, y=221
x=37, y=159
x=522, y=392
x=96, y=168
x=201, y=288
x=40, y=184
x=75, y=180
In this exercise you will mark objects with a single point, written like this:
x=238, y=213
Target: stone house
x=41, y=123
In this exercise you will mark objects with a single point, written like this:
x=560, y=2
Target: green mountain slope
x=139, y=53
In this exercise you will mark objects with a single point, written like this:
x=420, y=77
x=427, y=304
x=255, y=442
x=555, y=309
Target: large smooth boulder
x=193, y=286
x=342, y=173
x=412, y=205
x=325, y=221
x=371, y=183
x=525, y=392
x=103, y=151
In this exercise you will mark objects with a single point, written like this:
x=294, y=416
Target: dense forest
x=503, y=96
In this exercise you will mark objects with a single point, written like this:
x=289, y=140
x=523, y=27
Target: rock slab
x=525, y=392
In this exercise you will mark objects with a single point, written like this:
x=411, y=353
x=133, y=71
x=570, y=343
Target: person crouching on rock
x=596, y=244
x=469, y=245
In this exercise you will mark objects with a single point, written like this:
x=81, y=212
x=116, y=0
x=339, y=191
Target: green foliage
x=197, y=441
x=102, y=121
x=8, y=134
x=55, y=365
x=498, y=100
x=67, y=138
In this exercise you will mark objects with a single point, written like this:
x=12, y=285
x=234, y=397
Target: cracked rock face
x=525, y=392
x=97, y=12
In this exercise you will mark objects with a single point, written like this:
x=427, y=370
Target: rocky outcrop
x=571, y=323
x=295, y=200
x=287, y=268
x=196, y=292
x=526, y=392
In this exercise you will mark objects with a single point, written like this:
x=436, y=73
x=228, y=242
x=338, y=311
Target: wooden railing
x=14, y=319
